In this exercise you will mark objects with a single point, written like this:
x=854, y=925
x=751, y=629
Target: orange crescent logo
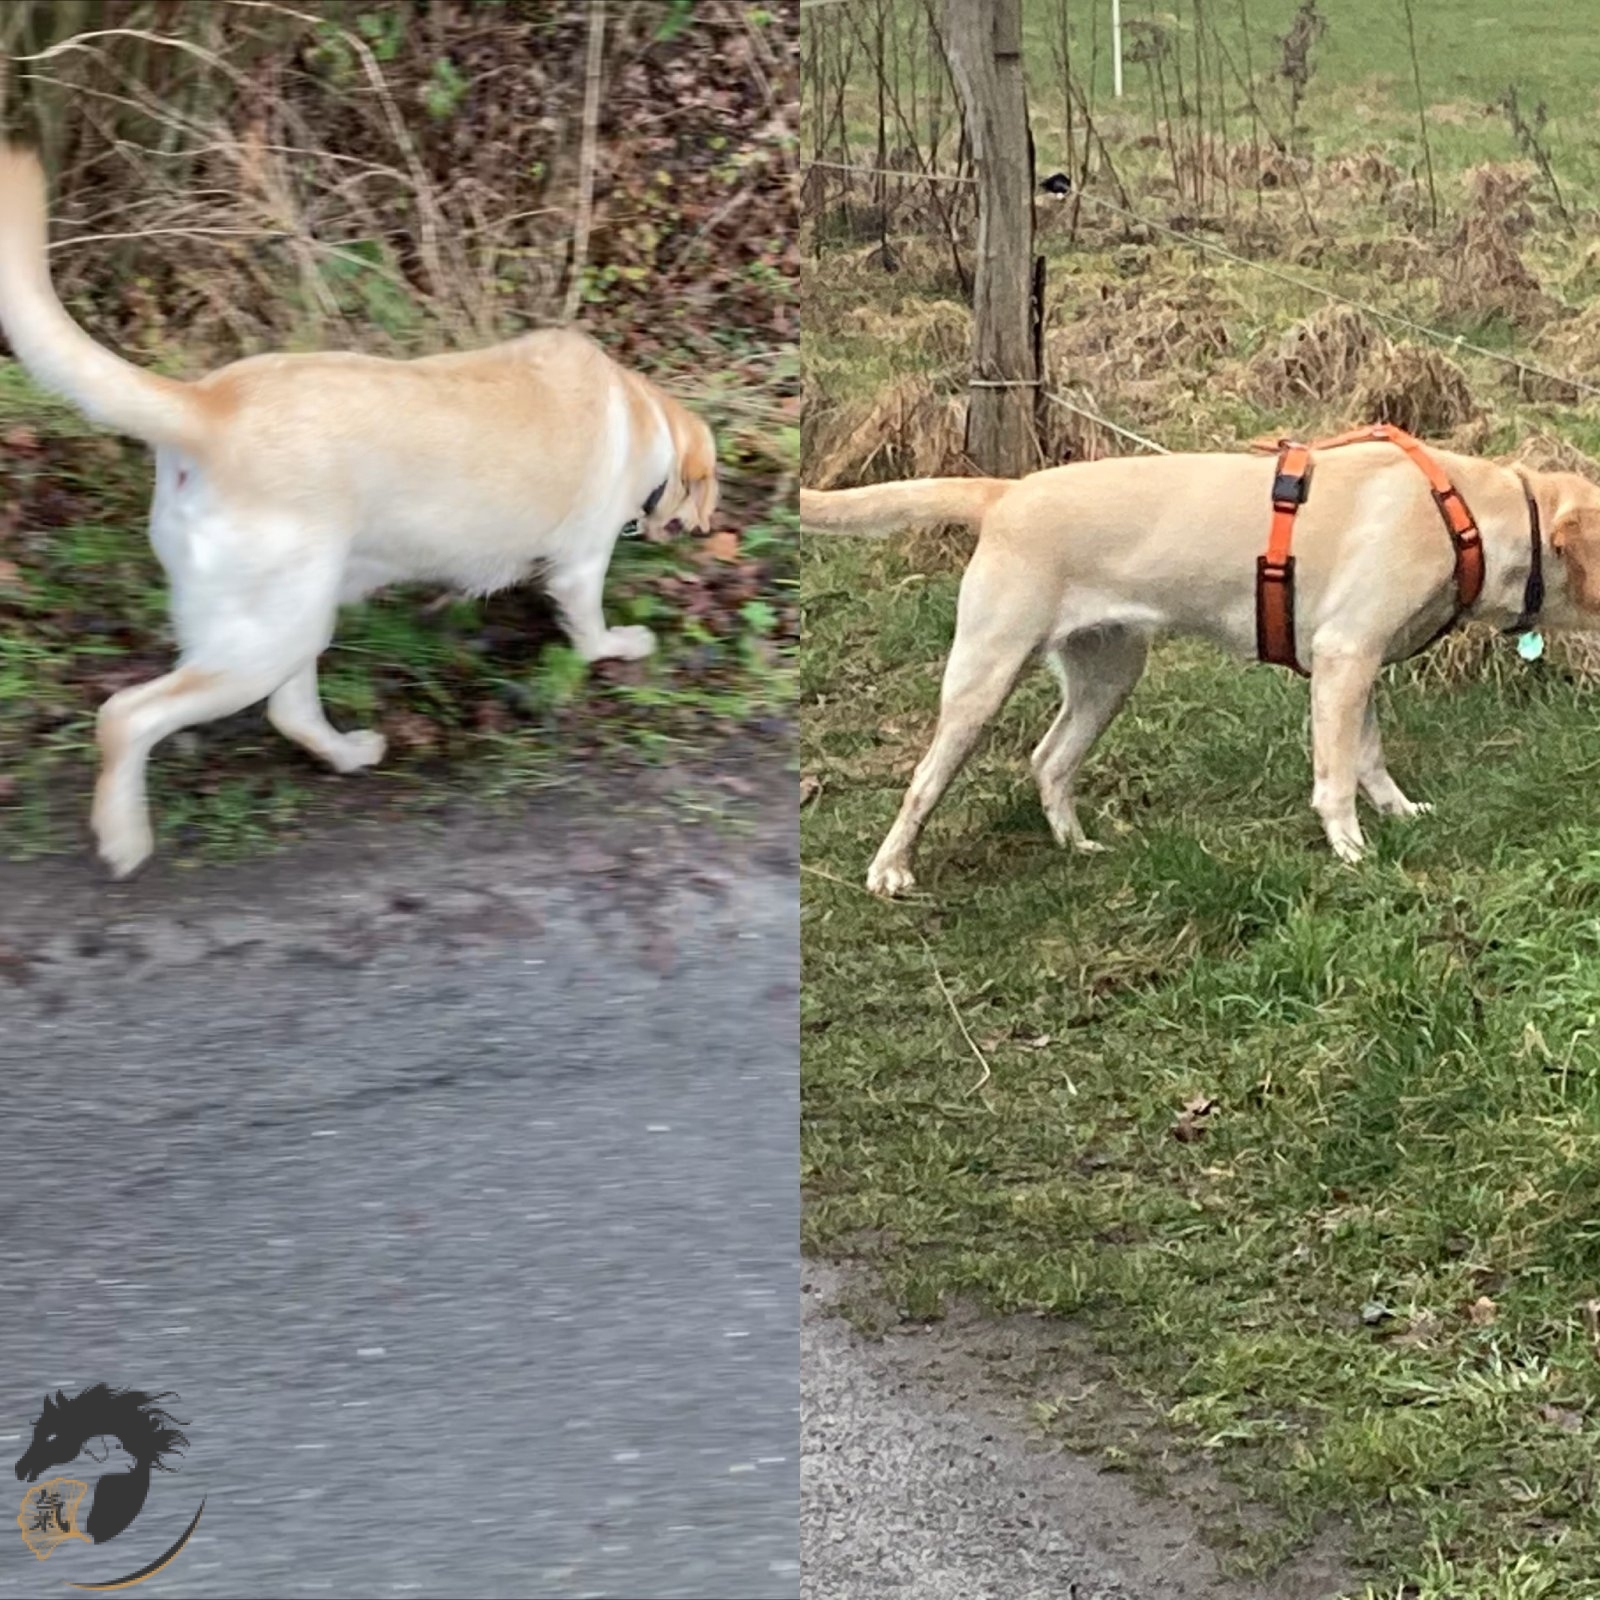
x=154, y=1567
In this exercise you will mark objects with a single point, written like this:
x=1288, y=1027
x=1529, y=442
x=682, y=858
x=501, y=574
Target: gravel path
x=919, y=1478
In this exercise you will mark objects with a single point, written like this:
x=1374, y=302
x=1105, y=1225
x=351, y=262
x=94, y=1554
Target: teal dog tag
x=1530, y=646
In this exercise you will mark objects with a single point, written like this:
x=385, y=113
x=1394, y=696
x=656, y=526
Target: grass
x=478, y=697
x=1361, y=91
x=1368, y=1287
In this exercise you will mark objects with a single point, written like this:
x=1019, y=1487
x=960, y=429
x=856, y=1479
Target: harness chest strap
x=1275, y=570
x=1290, y=487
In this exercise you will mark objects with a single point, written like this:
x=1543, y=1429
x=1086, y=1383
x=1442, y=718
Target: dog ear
x=703, y=497
x=1576, y=539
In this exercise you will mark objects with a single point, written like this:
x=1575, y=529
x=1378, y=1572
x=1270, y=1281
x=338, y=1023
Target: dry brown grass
x=1366, y=169
x=935, y=333
x=1318, y=359
x=1504, y=190
x=1338, y=357
x=1395, y=256
x=1471, y=653
x=1481, y=271
x=1067, y=435
x=1139, y=343
x=912, y=429
x=1545, y=452
x=1476, y=652
x=1264, y=167
x=1570, y=344
x=1416, y=388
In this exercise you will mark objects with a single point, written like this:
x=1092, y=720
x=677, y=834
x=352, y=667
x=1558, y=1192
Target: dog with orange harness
x=1085, y=564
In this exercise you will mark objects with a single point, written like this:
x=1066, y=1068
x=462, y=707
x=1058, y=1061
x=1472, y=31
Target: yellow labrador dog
x=289, y=484
x=1084, y=564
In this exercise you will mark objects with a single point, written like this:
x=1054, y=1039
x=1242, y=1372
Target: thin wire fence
x=1106, y=423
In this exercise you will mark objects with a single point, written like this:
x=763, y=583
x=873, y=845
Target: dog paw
x=125, y=849
x=1349, y=847
x=1068, y=831
x=629, y=644
x=890, y=881
x=363, y=748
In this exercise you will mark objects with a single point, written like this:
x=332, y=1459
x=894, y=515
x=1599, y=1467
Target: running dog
x=287, y=485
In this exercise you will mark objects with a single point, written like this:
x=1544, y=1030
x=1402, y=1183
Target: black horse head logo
x=134, y=1419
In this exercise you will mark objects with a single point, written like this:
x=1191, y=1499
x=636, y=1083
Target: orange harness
x=1290, y=489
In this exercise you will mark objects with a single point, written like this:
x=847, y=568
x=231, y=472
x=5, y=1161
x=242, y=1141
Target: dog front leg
x=1341, y=685
x=576, y=589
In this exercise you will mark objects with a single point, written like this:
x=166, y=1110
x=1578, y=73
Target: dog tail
x=887, y=507
x=57, y=353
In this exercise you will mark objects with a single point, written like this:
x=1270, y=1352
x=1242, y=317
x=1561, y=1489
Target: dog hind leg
x=1000, y=622
x=1098, y=669
x=132, y=723
x=239, y=645
x=295, y=710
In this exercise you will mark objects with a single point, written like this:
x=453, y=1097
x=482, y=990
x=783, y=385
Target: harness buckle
x=1290, y=490
x=1457, y=518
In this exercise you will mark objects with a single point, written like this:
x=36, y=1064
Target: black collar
x=653, y=499
x=1533, y=590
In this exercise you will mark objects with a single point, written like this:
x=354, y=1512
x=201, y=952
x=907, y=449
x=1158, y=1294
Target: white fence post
x=1116, y=47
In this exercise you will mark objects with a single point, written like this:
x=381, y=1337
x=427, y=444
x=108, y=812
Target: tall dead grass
x=1482, y=272
x=270, y=174
x=911, y=429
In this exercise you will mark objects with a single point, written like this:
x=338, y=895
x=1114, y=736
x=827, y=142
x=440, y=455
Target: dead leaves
x=1561, y=1417
x=1191, y=1123
x=720, y=546
x=1018, y=1040
x=410, y=730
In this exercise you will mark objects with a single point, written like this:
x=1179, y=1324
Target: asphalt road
x=449, y=1176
